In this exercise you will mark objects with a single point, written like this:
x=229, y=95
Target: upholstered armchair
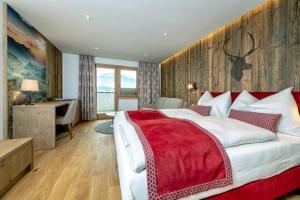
x=165, y=103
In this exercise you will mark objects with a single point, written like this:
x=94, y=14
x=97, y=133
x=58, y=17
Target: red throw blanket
x=181, y=158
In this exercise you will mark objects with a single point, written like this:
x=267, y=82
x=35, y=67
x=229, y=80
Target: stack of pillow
x=277, y=113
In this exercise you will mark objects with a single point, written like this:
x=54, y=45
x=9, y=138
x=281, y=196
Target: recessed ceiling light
x=146, y=55
x=165, y=34
x=88, y=17
x=96, y=48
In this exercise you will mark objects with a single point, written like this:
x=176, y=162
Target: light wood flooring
x=80, y=169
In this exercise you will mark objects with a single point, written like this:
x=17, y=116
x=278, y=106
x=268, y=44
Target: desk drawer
x=4, y=173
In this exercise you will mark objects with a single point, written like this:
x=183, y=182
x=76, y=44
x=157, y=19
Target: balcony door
x=106, y=90
x=115, y=84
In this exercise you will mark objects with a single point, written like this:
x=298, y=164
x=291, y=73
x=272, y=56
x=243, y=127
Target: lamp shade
x=28, y=85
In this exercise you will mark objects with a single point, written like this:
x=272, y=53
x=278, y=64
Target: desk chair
x=68, y=118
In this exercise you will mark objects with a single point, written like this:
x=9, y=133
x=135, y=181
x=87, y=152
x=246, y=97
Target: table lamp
x=29, y=86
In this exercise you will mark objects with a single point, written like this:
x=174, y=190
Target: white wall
x=71, y=76
x=1, y=70
x=109, y=61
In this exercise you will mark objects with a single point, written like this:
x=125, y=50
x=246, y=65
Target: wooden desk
x=38, y=122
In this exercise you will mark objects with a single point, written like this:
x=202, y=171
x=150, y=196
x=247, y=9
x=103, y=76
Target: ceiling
x=129, y=29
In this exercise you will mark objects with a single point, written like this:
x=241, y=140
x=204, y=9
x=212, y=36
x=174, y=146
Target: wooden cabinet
x=4, y=173
x=19, y=160
x=16, y=158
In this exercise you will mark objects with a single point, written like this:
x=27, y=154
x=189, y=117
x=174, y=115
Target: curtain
x=149, y=82
x=87, y=87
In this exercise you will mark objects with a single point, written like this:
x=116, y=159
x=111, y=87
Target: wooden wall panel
x=54, y=72
x=58, y=74
x=50, y=70
x=275, y=27
x=4, y=72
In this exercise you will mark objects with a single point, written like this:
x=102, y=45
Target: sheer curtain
x=149, y=83
x=87, y=87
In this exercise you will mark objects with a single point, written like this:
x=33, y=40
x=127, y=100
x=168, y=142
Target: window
x=128, y=82
x=105, y=90
x=114, y=85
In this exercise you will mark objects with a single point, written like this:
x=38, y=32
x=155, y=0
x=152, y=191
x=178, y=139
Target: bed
x=256, y=168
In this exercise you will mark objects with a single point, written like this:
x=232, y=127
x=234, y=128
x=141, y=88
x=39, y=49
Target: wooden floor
x=83, y=168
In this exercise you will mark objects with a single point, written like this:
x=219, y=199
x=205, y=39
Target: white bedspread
x=230, y=132
x=249, y=162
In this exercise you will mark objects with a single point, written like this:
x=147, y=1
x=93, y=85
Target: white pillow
x=280, y=103
x=231, y=132
x=243, y=100
x=219, y=105
x=205, y=98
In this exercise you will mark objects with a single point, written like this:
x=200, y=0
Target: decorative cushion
x=202, y=110
x=263, y=120
x=220, y=104
x=280, y=103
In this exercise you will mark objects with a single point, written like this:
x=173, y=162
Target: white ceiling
x=129, y=29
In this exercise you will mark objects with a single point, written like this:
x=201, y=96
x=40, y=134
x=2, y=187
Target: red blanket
x=181, y=157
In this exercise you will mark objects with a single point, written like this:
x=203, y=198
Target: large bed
x=255, y=163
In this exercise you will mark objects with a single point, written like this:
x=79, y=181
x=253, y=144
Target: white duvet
x=229, y=132
x=249, y=162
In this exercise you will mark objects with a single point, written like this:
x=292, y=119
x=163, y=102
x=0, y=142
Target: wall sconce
x=192, y=87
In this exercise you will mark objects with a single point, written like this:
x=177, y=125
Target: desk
x=38, y=122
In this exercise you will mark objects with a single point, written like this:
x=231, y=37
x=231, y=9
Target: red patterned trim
x=151, y=172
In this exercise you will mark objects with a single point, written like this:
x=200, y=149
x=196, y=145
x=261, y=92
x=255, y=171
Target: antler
x=225, y=51
x=252, y=48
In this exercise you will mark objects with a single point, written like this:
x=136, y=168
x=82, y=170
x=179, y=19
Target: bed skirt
x=265, y=189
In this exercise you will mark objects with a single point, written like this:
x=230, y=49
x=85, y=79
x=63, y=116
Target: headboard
x=259, y=95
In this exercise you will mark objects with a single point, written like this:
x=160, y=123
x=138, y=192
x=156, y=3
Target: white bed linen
x=219, y=104
x=279, y=103
x=249, y=163
x=230, y=132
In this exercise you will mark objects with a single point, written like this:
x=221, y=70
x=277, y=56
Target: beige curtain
x=87, y=87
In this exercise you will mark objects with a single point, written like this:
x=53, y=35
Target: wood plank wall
x=275, y=25
x=54, y=71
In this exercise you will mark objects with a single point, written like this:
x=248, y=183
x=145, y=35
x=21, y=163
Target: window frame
x=118, y=94
x=116, y=105
x=134, y=96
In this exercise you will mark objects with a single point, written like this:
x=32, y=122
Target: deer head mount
x=239, y=63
